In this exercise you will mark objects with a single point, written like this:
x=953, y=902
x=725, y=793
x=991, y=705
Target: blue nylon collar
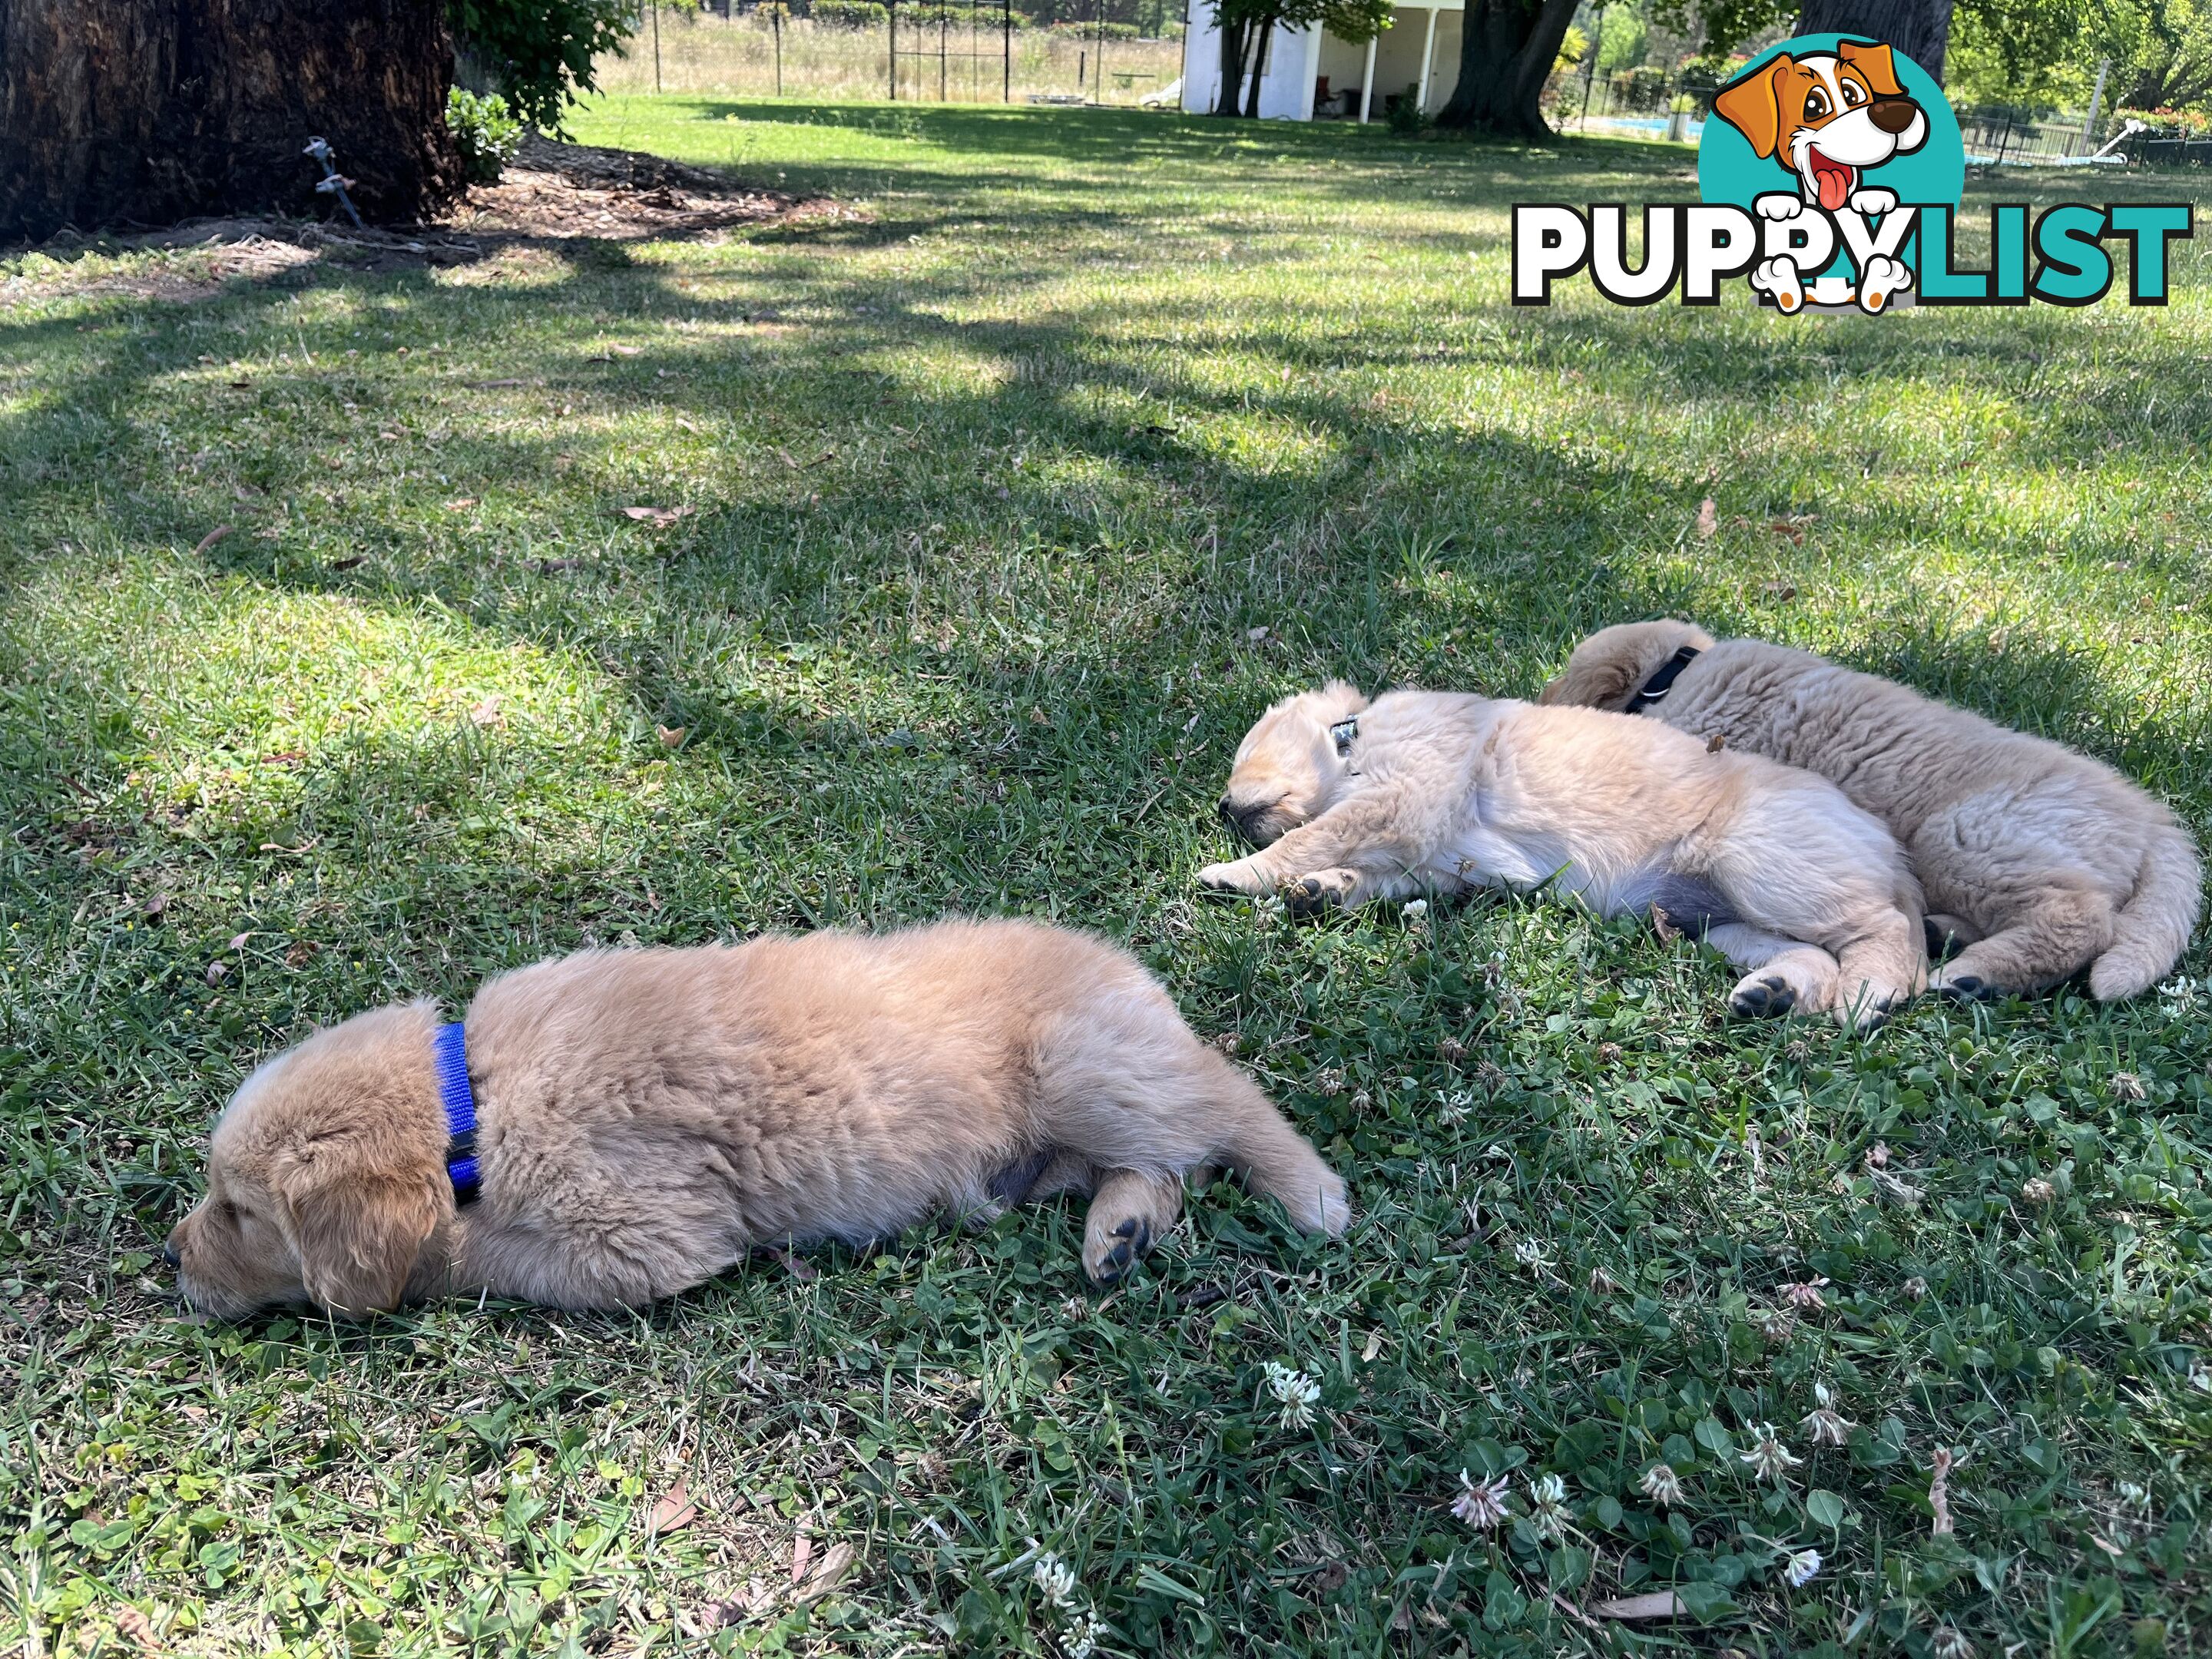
x=449, y=1055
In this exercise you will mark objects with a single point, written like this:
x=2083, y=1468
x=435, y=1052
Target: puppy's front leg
x=1344, y=857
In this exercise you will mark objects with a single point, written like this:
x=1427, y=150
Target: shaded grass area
x=1008, y=505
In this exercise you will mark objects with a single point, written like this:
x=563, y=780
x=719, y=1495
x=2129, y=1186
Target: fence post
x=1006, y=50
x=656, y=47
x=775, y=19
x=2089, y=126
x=891, y=18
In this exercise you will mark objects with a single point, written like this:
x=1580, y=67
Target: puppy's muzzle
x=1893, y=115
x=169, y=1253
x=1245, y=821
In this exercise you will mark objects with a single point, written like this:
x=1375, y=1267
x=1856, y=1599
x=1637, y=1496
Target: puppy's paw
x=1237, y=878
x=1778, y=205
x=1873, y=198
x=1883, y=281
x=1111, y=1255
x=1868, y=1006
x=1335, y=1207
x=1762, y=996
x=1779, y=277
x=1321, y=890
x=1962, y=986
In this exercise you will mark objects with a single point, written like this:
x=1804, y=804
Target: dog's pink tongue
x=1835, y=184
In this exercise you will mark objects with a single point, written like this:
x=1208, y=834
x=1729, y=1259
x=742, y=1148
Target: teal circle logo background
x=1729, y=171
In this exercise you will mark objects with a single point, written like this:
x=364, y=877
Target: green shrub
x=540, y=51
x=850, y=14
x=1405, y=113
x=486, y=131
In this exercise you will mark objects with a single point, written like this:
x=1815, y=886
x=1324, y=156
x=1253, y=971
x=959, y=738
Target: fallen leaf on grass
x=352, y=562
x=1708, y=524
x=217, y=972
x=462, y=505
x=1663, y=925
x=801, y=1269
x=211, y=538
x=1939, y=1491
x=138, y=1628
x=486, y=714
x=659, y=517
x=802, y=1551
x=238, y=941
x=1659, y=1604
x=675, y=1510
x=153, y=908
x=671, y=736
x=554, y=567
x=829, y=1572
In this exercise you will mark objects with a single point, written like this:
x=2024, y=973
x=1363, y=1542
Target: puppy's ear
x=1876, y=62
x=1594, y=679
x=1753, y=105
x=358, y=1237
x=1353, y=698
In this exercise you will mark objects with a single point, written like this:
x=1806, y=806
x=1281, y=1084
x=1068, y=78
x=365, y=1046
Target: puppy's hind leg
x=1884, y=968
x=1785, y=976
x=1128, y=1211
x=2057, y=932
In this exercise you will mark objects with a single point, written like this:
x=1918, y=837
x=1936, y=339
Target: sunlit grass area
x=988, y=513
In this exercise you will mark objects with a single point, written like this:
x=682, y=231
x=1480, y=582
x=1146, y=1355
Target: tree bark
x=146, y=112
x=1921, y=29
x=1259, y=70
x=1232, y=67
x=1505, y=56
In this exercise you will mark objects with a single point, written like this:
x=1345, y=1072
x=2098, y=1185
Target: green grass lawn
x=1012, y=500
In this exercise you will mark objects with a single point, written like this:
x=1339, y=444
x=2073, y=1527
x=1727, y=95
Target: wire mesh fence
x=926, y=51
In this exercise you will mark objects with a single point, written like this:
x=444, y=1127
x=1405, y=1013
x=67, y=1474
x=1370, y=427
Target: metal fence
x=1673, y=104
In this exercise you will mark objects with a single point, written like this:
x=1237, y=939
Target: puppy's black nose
x=1227, y=810
x=1893, y=114
x=169, y=1254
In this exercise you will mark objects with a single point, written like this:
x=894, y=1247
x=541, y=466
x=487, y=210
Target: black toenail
x=1127, y=1229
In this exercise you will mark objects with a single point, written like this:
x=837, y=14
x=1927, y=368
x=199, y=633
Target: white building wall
x=1286, y=84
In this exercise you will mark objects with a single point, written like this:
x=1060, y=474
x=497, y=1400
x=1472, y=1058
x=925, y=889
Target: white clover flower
x=2200, y=1377
x=1805, y=1297
x=1662, y=1486
x=1547, y=1506
x=1497, y=1154
x=1055, y=1579
x=1915, y=1288
x=2036, y=1190
x=2135, y=1497
x=1272, y=909
x=1768, y=1456
x=1453, y=1107
x=1481, y=1504
x=1297, y=1393
x=1804, y=1568
x=1415, y=909
x=1775, y=1325
x=1950, y=1642
x=1079, y=1637
x=1824, y=1425
x=1529, y=1253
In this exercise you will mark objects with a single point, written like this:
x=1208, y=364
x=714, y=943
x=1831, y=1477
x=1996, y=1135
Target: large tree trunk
x=1232, y=67
x=1921, y=29
x=1505, y=56
x=145, y=112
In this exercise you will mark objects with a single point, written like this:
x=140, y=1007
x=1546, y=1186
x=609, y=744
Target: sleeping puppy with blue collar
x=1417, y=792
x=615, y=1127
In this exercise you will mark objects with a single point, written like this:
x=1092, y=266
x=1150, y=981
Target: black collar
x=1663, y=682
x=1344, y=734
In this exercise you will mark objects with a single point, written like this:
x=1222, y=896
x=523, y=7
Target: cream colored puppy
x=644, y=1118
x=2039, y=860
x=1421, y=790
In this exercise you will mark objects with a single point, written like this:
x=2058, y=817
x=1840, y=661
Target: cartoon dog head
x=1828, y=116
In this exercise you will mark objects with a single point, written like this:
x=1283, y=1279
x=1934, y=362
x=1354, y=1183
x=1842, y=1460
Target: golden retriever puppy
x=1350, y=800
x=2039, y=861
x=617, y=1125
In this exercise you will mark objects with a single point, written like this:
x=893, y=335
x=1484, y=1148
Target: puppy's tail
x=2152, y=929
x=1275, y=1160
